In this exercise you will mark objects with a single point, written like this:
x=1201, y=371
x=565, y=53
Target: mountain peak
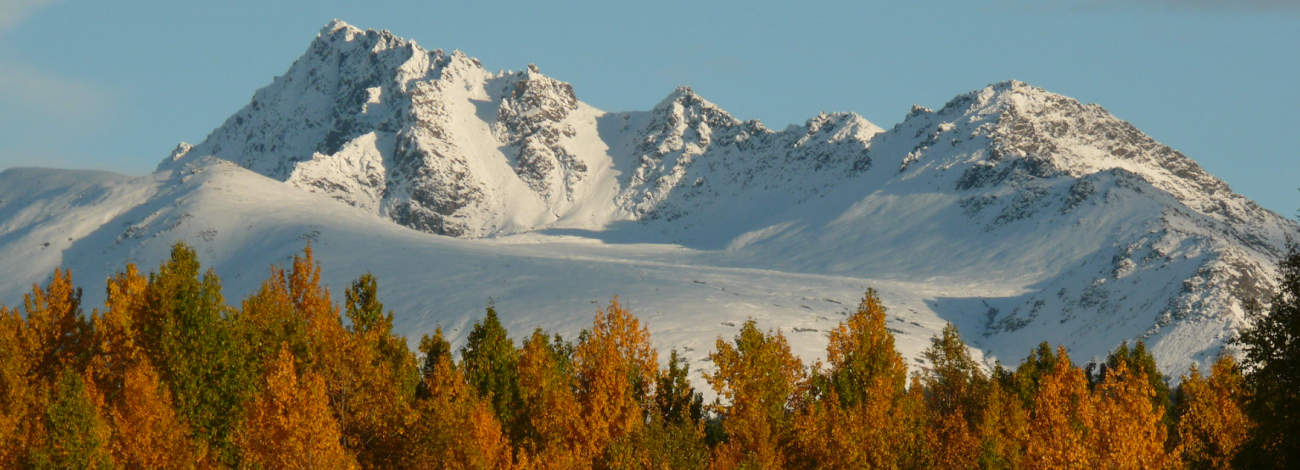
x=681, y=94
x=684, y=102
x=336, y=25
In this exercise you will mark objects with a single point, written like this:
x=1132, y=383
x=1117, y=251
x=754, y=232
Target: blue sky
x=115, y=85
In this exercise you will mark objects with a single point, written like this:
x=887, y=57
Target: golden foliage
x=116, y=346
x=289, y=424
x=865, y=418
x=17, y=395
x=553, y=420
x=615, y=367
x=1060, y=425
x=1128, y=432
x=758, y=382
x=1212, y=425
x=54, y=332
x=147, y=432
x=456, y=429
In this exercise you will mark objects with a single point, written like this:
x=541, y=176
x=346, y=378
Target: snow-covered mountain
x=1018, y=214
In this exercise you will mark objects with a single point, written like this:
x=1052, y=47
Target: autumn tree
x=17, y=395
x=55, y=335
x=1271, y=358
x=289, y=425
x=863, y=415
x=43, y=350
x=1003, y=427
x=1061, y=422
x=759, y=383
x=1129, y=429
x=117, y=343
x=455, y=428
x=552, y=424
x=147, y=433
x=1212, y=424
x=614, y=365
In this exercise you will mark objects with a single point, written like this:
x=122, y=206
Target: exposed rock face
x=437, y=143
x=1135, y=234
x=1108, y=233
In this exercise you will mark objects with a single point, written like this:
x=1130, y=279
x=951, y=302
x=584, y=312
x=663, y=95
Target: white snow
x=1019, y=215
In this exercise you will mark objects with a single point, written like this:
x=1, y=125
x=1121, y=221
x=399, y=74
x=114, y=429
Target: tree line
x=168, y=375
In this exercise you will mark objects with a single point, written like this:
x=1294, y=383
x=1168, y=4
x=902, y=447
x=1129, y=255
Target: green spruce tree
x=1271, y=349
x=490, y=361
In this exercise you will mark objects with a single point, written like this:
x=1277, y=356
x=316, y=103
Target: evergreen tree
x=76, y=433
x=677, y=400
x=1025, y=380
x=489, y=362
x=1139, y=361
x=1271, y=350
x=185, y=333
x=674, y=434
x=433, y=349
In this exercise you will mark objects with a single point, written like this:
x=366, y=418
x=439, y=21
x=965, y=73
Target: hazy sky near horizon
x=115, y=85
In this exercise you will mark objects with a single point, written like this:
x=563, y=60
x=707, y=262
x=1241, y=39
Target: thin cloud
x=13, y=12
x=27, y=88
x=35, y=92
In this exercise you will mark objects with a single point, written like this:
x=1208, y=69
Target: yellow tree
x=615, y=367
x=374, y=383
x=56, y=335
x=552, y=422
x=1128, y=431
x=956, y=396
x=17, y=393
x=456, y=429
x=864, y=417
x=289, y=424
x=1004, y=427
x=1212, y=426
x=147, y=432
x=116, y=346
x=758, y=382
x=1060, y=425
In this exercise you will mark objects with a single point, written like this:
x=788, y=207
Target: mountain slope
x=1018, y=214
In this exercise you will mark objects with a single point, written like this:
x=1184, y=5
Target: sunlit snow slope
x=1017, y=214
